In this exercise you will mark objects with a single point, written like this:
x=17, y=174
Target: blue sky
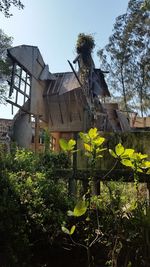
x=53, y=26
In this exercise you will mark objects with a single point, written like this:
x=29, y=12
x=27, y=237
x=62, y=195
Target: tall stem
x=124, y=90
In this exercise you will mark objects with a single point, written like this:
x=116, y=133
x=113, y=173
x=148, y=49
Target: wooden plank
x=141, y=122
x=118, y=175
x=12, y=79
x=37, y=128
x=123, y=122
x=75, y=73
x=61, y=113
x=18, y=106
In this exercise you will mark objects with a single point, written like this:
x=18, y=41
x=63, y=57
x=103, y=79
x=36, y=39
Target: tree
x=5, y=6
x=5, y=43
x=127, y=58
x=146, y=5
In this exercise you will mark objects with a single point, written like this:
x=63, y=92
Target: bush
x=32, y=208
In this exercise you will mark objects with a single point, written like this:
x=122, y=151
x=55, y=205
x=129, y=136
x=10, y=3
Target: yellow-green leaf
x=112, y=153
x=128, y=153
x=145, y=165
x=88, y=147
x=99, y=141
x=65, y=230
x=80, y=208
x=127, y=163
x=71, y=144
x=93, y=133
x=139, y=156
x=72, y=229
x=63, y=144
x=119, y=149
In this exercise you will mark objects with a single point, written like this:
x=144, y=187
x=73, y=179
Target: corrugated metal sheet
x=64, y=83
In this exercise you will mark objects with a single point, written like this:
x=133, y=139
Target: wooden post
x=72, y=179
x=148, y=193
x=96, y=187
x=37, y=127
x=57, y=136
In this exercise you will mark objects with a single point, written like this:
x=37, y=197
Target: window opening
x=20, y=86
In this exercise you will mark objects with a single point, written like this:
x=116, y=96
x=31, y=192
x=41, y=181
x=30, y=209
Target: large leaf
x=80, y=208
x=88, y=147
x=140, y=156
x=99, y=141
x=128, y=153
x=145, y=165
x=127, y=163
x=71, y=144
x=67, y=146
x=93, y=133
x=63, y=144
x=119, y=149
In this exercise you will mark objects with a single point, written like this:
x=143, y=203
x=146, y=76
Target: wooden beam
x=60, y=110
x=117, y=175
x=75, y=73
x=37, y=128
x=12, y=79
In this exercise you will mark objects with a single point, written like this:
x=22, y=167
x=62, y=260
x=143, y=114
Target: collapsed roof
x=61, y=100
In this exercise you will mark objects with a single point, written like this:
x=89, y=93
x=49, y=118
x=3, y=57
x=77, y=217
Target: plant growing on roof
x=84, y=47
x=85, y=43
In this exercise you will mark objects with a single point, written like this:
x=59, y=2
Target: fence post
x=72, y=178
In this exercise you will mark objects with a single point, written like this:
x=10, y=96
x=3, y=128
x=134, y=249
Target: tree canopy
x=5, y=43
x=126, y=56
x=5, y=6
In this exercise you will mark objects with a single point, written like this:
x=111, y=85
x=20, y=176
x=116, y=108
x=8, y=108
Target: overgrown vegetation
x=33, y=206
x=110, y=229
x=85, y=43
x=84, y=47
x=110, y=223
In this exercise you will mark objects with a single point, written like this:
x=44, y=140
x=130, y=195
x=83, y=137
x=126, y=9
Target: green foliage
x=52, y=161
x=130, y=158
x=110, y=215
x=92, y=144
x=6, y=5
x=126, y=57
x=37, y=215
x=66, y=231
x=80, y=208
x=25, y=160
x=146, y=5
x=85, y=43
x=32, y=205
x=5, y=43
x=67, y=146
